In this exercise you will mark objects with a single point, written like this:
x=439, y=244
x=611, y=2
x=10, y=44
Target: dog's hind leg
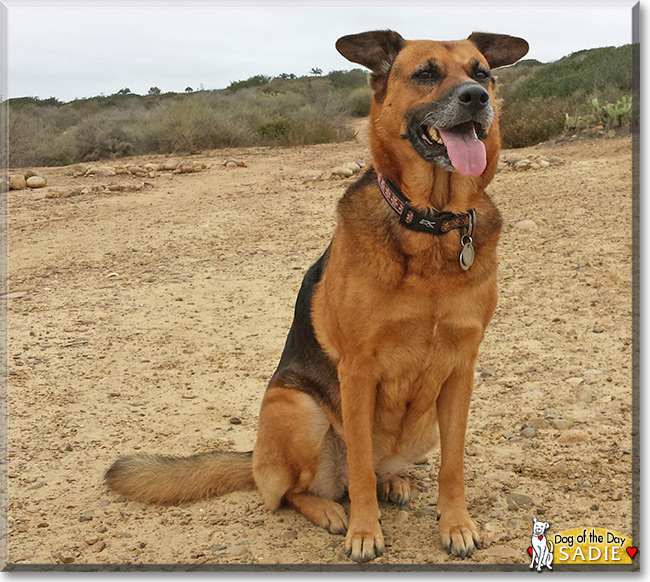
x=293, y=458
x=394, y=489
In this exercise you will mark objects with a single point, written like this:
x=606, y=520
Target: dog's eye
x=425, y=75
x=482, y=75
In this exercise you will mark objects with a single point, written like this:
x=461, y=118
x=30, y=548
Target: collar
x=429, y=220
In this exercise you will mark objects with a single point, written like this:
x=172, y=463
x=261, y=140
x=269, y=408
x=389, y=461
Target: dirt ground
x=151, y=321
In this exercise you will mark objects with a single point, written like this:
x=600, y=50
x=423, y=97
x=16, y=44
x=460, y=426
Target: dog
x=542, y=548
x=379, y=362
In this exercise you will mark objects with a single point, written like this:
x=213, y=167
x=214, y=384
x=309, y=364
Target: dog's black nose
x=474, y=97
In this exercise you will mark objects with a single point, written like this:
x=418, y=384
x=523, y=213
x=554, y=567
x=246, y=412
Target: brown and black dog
x=380, y=357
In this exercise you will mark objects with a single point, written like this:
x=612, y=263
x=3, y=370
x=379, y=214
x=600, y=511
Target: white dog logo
x=542, y=548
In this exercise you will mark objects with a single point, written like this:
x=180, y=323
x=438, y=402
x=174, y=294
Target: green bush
x=359, y=101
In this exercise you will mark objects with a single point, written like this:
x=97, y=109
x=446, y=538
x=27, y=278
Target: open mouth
x=456, y=148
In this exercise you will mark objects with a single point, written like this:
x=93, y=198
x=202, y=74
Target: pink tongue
x=465, y=150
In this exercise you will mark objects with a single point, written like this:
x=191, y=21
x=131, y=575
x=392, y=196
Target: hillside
x=290, y=110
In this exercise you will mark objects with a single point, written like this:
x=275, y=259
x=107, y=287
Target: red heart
x=530, y=551
x=539, y=537
x=632, y=551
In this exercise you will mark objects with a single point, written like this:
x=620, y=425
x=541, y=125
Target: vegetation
x=537, y=98
x=538, y=102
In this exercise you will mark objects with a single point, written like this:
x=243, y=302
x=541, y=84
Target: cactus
x=610, y=115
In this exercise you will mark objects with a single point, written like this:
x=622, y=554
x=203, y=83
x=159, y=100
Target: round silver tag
x=467, y=256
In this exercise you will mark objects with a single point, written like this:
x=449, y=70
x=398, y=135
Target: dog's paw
x=458, y=533
x=394, y=489
x=364, y=542
x=333, y=517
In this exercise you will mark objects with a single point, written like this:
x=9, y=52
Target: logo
x=541, y=549
x=584, y=546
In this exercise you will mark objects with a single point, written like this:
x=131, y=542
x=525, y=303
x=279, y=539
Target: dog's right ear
x=375, y=50
x=534, y=520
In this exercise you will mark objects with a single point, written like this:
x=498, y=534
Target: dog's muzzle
x=448, y=132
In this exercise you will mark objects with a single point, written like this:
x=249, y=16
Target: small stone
x=517, y=500
x=562, y=424
x=537, y=423
x=119, y=500
x=513, y=158
x=91, y=540
x=585, y=395
x=85, y=518
x=99, y=546
x=289, y=535
x=36, y=182
x=596, y=329
x=66, y=557
x=238, y=551
x=187, y=168
x=574, y=381
x=231, y=164
x=586, y=483
x=401, y=516
x=17, y=183
x=528, y=432
x=342, y=171
x=235, y=420
x=573, y=436
x=43, y=524
x=101, y=529
x=171, y=165
x=525, y=225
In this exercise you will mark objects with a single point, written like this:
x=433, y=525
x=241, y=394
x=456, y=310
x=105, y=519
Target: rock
x=525, y=224
x=537, y=423
x=36, y=182
x=585, y=395
x=101, y=529
x=231, y=164
x=100, y=171
x=116, y=188
x=528, y=432
x=513, y=158
x=66, y=557
x=574, y=381
x=239, y=163
x=523, y=164
x=91, y=540
x=402, y=516
x=171, y=165
x=187, y=169
x=17, y=182
x=289, y=535
x=517, y=500
x=573, y=436
x=30, y=173
x=235, y=420
x=99, y=546
x=544, y=163
x=238, y=551
x=198, y=166
x=596, y=329
x=85, y=518
x=352, y=166
x=342, y=171
x=138, y=171
x=562, y=424
x=121, y=170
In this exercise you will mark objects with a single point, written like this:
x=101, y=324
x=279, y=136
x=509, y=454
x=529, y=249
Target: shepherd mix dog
x=380, y=357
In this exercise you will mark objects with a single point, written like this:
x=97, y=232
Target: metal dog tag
x=467, y=254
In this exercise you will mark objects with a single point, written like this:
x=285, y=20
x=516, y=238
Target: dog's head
x=539, y=527
x=436, y=98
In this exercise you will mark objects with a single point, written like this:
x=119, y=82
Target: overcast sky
x=91, y=48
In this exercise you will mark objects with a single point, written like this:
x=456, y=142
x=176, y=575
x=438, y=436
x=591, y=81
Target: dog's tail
x=174, y=480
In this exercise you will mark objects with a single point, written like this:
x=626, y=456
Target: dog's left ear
x=499, y=49
x=376, y=50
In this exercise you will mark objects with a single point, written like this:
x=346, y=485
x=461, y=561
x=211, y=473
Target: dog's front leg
x=532, y=562
x=458, y=533
x=364, y=540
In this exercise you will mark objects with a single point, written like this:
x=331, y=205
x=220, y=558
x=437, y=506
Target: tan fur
x=174, y=480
